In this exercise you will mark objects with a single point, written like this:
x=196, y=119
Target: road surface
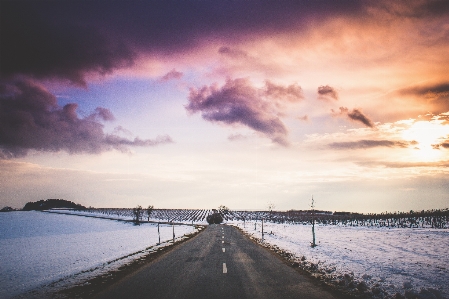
x=218, y=263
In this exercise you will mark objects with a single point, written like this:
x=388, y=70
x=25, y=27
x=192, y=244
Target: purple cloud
x=232, y=53
x=238, y=102
x=48, y=39
x=292, y=93
x=356, y=115
x=30, y=118
x=327, y=93
x=172, y=75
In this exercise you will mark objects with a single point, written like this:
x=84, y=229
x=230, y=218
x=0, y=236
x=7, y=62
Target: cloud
x=239, y=102
x=437, y=95
x=48, y=39
x=355, y=115
x=232, y=53
x=327, y=93
x=434, y=91
x=441, y=145
x=31, y=119
x=364, y=144
x=439, y=164
x=292, y=93
x=38, y=44
x=172, y=75
x=237, y=137
x=303, y=118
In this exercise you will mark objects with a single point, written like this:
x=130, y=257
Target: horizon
x=229, y=209
x=247, y=103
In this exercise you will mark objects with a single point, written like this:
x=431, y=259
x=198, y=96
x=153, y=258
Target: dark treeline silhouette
x=52, y=204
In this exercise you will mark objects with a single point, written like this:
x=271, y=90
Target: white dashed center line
x=224, y=249
x=225, y=270
x=222, y=241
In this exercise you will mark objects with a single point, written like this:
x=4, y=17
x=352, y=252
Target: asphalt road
x=218, y=263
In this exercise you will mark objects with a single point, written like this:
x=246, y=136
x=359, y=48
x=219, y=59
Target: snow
x=126, y=214
x=395, y=260
x=37, y=248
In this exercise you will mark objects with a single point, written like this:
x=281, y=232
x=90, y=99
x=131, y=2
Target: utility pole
x=313, y=222
x=262, y=229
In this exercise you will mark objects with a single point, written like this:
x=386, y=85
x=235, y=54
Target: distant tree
x=149, y=211
x=137, y=214
x=223, y=208
x=214, y=218
x=271, y=207
x=6, y=209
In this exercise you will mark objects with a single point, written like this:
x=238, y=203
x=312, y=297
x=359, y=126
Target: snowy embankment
x=378, y=262
x=39, y=248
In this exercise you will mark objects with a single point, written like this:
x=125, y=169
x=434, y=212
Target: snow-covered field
x=387, y=261
x=126, y=214
x=37, y=248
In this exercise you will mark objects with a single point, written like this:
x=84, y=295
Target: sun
x=427, y=134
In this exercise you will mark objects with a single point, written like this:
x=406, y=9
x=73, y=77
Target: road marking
x=222, y=237
x=222, y=241
x=225, y=270
x=223, y=249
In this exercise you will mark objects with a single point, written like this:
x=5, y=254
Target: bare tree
x=149, y=211
x=271, y=207
x=137, y=213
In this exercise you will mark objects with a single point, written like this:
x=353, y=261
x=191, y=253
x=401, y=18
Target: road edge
x=316, y=277
x=91, y=286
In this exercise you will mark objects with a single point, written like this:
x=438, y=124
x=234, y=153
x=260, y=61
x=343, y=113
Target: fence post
x=159, y=233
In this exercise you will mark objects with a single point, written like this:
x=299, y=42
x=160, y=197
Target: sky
x=197, y=104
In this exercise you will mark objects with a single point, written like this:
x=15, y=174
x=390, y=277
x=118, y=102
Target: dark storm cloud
x=364, y=144
x=31, y=119
x=37, y=43
x=68, y=39
x=356, y=115
x=239, y=102
x=327, y=93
